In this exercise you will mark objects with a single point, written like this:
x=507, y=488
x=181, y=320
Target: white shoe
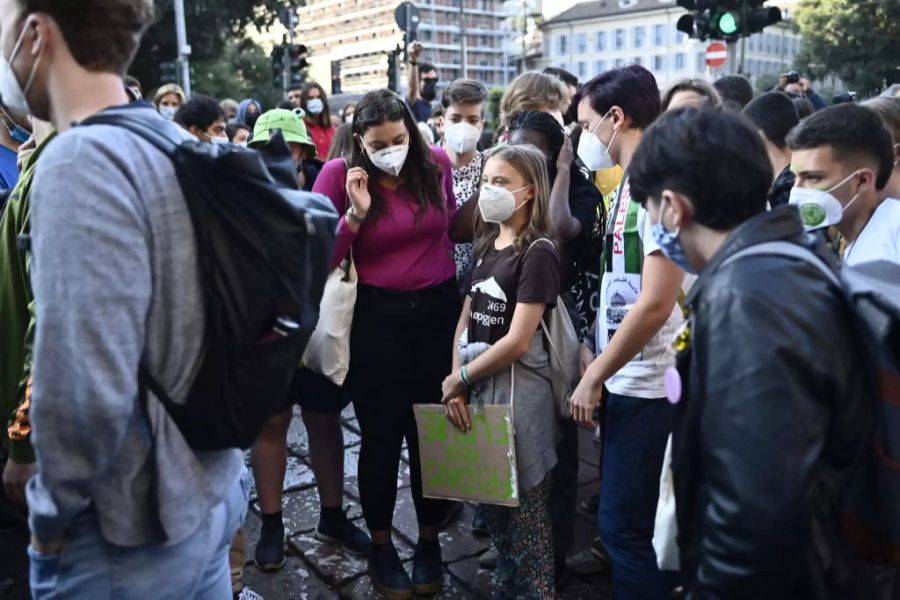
x=247, y=594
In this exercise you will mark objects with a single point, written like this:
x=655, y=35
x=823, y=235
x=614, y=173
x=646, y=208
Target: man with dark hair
x=774, y=115
x=121, y=506
x=422, y=79
x=204, y=118
x=771, y=404
x=295, y=95
x=461, y=125
x=567, y=78
x=734, y=89
x=843, y=157
x=636, y=321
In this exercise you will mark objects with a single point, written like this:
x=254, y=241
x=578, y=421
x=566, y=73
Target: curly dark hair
x=420, y=175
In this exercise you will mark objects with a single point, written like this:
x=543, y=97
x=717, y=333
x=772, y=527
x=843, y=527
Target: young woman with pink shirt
x=397, y=197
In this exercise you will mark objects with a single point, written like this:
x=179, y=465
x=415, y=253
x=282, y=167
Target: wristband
x=350, y=215
x=413, y=62
x=464, y=375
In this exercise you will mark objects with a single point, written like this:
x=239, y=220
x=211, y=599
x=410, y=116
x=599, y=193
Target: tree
x=211, y=25
x=766, y=82
x=855, y=40
x=243, y=71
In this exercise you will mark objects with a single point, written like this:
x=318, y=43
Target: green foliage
x=494, y=97
x=243, y=71
x=766, y=82
x=214, y=29
x=856, y=40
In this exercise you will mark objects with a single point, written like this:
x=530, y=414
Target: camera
x=792, y=77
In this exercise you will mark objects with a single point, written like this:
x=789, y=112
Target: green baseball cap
x=292, y=128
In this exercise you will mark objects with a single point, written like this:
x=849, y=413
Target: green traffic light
x=728, y=23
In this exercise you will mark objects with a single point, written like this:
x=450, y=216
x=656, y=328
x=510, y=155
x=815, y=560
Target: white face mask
x=219, y=139
x=594, y=153
x=241, y=144
x=348, y=118
x=168, y=112
x=819, y=208
x=390, y=159
x=315, y=106
x=462, y=137
x=10, y=90
x=497, y=204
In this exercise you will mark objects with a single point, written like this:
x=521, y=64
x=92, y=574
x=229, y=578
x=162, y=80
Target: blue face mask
x=671, y=246
x=16, y=132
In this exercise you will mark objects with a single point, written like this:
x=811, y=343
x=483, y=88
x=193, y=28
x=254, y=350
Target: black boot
x=387, y=573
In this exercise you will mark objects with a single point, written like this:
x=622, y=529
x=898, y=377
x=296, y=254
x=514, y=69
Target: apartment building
x=355, y=36
x=592, y=37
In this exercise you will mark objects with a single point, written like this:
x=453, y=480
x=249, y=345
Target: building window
x=701, y=62
x=620, y=63
x=637, y=61
x=680, y=36
x=582, y=43
x=564, y=66
x=548, y=45
x=679, y=61
x=639, y=34
x=599, y=67
x=620, y=39
x=659, y=35
x=582, y=70
x=563, y=45
x=600, y=41
x=659, y=63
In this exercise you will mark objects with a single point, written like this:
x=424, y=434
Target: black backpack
x=264, y=252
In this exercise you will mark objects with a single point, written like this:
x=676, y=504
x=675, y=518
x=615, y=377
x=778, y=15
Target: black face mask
x=250, y=119
x=429, y=90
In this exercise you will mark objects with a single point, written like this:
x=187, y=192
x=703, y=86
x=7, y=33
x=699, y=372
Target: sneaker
x=247, y=594
x=428, y=571
x=599, y=552
x=270, y=549
x=342, y=531
x=479, y=523
x=488, y=560
x=387, y=573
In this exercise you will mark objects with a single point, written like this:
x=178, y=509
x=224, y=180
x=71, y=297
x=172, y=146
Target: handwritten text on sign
x=477, y=465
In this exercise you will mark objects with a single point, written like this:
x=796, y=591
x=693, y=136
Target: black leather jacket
x=766, y=435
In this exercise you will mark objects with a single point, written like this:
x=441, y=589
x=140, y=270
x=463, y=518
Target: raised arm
x=412, y=72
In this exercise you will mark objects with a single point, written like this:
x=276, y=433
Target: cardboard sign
x=478, y=465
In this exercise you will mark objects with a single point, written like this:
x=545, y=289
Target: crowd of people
x=743, y=375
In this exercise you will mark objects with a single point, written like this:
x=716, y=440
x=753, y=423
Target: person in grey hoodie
x=116, y=282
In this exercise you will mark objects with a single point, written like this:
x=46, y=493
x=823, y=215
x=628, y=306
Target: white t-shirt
x=643, y=376
x=880, y=239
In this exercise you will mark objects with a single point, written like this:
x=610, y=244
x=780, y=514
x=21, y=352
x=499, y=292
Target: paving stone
x=588, y=449
x=351, y=468
x=405, y=523
x=332, y=564
x=298, y=442
x=252, y=527
x=295, y=581
x=362, y=589
x=587, y=473
x=298, y=476
x=478, y=581
x=578, y=588
x=458, y=542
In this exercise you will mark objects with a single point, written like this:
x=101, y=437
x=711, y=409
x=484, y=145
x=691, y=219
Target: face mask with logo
x=315, y=106
x=462, y=137
x=390, y=160
x=10, y=90
x=671, y=245
x=819, y=208
x=168, y=112
x=594, y=153
x=497, y=204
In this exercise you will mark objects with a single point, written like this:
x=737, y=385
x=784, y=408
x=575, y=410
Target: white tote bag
x=328, y=350
x=665, y=529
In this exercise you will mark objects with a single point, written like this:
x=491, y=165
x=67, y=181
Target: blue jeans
x=89, y=567
x=636, y=433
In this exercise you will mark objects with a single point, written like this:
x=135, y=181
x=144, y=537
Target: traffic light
x=336, y=77
x=278, y=66
x=392, y=71
x=297, y=55
x=167, y=72
x=725, y=19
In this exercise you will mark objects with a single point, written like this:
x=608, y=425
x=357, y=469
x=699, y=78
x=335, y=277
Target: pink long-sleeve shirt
x=400, y=250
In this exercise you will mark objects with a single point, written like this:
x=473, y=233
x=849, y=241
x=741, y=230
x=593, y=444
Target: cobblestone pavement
x=315, y=570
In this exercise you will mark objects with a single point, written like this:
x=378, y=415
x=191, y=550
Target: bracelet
x=412, y=62
x=352, y=216
x=464, y=375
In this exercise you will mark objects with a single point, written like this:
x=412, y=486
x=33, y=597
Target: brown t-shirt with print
x=502, y=278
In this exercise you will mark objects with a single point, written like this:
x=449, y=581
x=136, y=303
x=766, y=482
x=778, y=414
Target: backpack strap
x=790, y=250
x=165, y=143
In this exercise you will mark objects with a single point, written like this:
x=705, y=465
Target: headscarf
x=242, y=116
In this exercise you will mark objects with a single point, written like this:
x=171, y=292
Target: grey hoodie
x=115, y=278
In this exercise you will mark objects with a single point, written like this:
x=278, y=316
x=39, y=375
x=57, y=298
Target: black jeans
x=400, y=353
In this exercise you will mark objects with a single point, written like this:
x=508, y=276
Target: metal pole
x=524, y=33
x=462, y=37
x=743, y=36
x=184, y=50
x=286, y=71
